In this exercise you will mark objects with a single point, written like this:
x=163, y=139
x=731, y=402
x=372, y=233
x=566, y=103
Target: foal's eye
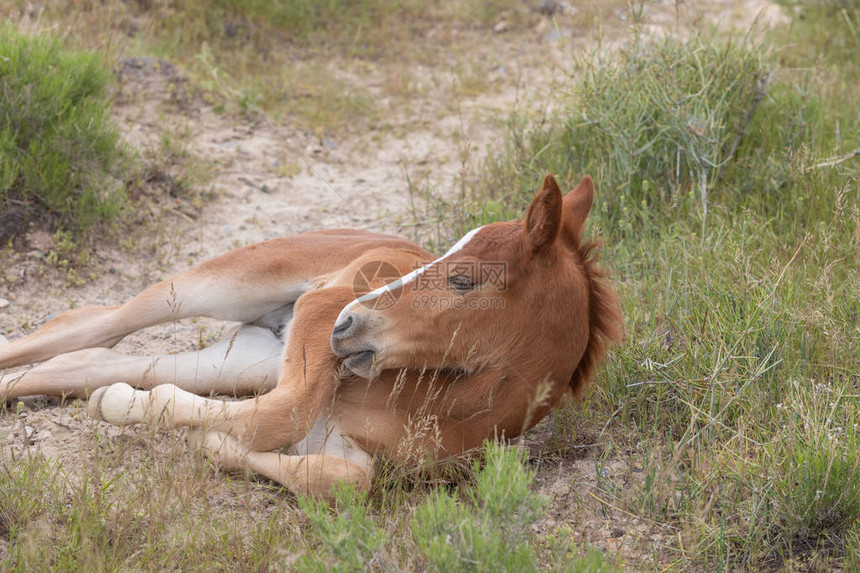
x=461, y=283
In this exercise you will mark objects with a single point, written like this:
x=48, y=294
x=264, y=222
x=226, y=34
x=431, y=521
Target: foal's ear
x=543, y=220
x=577, y=205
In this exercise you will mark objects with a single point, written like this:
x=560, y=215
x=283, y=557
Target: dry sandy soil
x=269, y=181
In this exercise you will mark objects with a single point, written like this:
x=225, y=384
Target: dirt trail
x=263, y=189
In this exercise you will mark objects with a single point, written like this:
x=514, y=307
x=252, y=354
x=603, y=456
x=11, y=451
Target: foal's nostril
x=342, y=326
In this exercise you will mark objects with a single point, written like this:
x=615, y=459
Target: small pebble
x=4, y=303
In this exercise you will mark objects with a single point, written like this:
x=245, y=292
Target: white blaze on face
x=408, y=278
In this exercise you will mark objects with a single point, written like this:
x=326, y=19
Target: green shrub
x=350, y=539
x=655, y=123
x=58, y=147
x=663, y=121
x=489, y=532
x=673, y=127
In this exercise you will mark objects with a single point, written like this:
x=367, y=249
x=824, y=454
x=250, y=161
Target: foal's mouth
x=361, y=363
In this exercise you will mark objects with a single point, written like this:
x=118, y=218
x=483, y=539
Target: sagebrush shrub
x=58, y=146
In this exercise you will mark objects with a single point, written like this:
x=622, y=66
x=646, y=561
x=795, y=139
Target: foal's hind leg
x=244, y=363
x=311, y=467
x=306, y=386
x=242, y=285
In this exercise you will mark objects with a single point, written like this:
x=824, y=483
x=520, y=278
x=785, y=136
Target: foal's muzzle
x=351, y=339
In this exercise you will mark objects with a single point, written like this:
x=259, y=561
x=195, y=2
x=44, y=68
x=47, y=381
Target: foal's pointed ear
x=577, y=205
x=543, y=220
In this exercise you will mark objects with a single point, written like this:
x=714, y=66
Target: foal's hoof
x=118, y=404
x=222, y=449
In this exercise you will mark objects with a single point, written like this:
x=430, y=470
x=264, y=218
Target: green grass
x=312, y=62
x=737, y=386
x=145, y=517
x=131, y=520
x=58, y=146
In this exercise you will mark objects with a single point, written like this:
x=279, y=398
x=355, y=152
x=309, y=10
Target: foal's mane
x=605, y=324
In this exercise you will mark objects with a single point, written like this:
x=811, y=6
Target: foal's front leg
x=284, y=416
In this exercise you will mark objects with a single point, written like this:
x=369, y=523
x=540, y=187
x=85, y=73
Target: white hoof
x=119, y=404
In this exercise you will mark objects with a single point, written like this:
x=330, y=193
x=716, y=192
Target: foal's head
x=523, y=297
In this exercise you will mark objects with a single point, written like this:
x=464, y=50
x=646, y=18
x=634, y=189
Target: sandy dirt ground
x=274, y=180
